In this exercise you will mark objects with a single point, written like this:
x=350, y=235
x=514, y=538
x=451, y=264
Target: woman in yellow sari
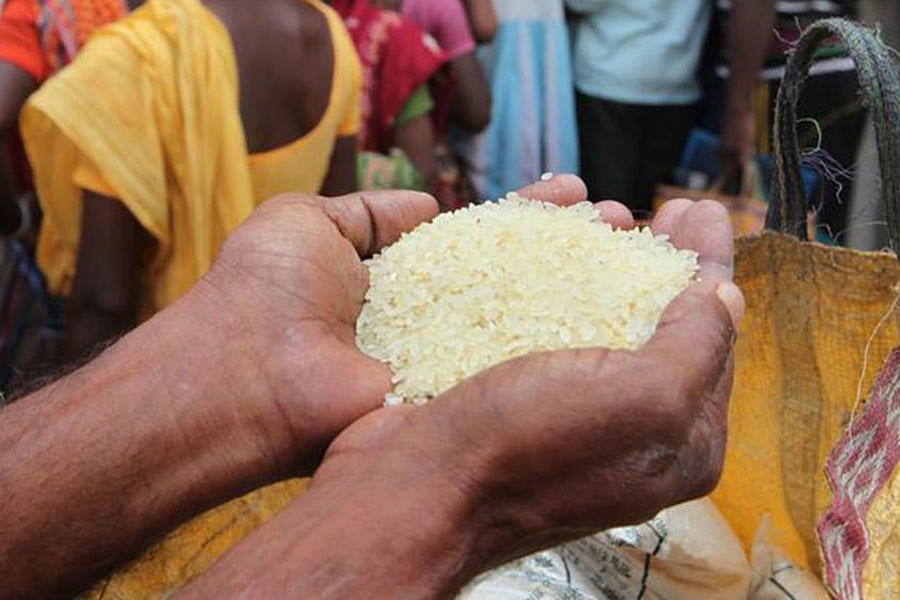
x=166, y=132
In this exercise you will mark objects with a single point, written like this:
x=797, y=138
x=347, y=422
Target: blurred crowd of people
x=126, y=161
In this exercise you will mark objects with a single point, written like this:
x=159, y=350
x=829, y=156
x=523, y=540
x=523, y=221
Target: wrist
x=383, y=521
x=158, y=438
x=401, y=488
x=209, y=435
x=739, y=97
x=420, y=530
x=738, y=107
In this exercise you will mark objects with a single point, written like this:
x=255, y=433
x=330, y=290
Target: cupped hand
x=557, y=445
x=288, y=285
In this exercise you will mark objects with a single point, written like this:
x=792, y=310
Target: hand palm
x=298, y=263
x=574, y=409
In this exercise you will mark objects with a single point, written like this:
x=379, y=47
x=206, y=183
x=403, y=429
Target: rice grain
x=488, y=283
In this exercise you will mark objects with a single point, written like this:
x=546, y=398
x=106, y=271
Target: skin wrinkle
x=283, y=468
x=374, y=234
x=316, y=403
x=303, y=303
x=336, y=212
x=715, y=451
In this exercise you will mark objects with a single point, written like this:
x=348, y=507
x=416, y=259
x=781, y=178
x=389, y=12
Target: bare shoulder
x=272, y=19
x=314, y=27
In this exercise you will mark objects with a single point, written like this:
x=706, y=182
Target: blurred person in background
x=396, y=138
x=482, y=20
x=166, y=132
x=37, y=39
x=449, y=23
x=461, y=91
x=757, y=38
x=636, y=80
x=533, y=128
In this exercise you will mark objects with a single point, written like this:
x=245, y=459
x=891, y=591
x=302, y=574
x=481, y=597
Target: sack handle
x=879, y=82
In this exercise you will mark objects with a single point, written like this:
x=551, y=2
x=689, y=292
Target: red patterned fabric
x=397, y=57
x=42, y=36
x=860, y=467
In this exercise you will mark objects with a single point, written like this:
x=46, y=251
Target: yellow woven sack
x=821, y=321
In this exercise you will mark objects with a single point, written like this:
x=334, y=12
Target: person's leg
x=608, y=135
x=665, y=130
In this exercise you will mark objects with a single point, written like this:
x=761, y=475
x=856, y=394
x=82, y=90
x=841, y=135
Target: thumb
x=731, y=296
x=373, y=220
x=696, y=336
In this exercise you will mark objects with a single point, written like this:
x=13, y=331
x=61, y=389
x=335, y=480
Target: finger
x=563, y=190
x=669, y=215
x=704, y=227
x=617, y=215
x=733, y=298
x=373, y=220
x=566, y=190
x=697, y=330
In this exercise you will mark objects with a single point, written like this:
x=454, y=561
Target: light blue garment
x=533, y=128
x=640, y=51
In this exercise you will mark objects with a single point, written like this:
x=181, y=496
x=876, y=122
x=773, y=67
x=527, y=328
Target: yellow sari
x=149, y=114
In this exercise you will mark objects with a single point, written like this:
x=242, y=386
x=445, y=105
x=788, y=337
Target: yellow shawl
x=152, y=106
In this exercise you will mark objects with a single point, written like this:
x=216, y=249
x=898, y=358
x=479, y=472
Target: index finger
x=373, y=220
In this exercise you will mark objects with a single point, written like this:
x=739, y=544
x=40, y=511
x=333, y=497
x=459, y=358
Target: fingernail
x=733, y=299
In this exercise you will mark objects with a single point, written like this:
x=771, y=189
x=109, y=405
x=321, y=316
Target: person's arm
x=15, y=87
x=341, y=177
x=416, y=138
x=414, y=502
x=750, y=34
x=243, y=381
x=103, y=303
x=97, y=465
x=472, y=104
x=482, y=20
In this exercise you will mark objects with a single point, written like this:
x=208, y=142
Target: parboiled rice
x=488, y=283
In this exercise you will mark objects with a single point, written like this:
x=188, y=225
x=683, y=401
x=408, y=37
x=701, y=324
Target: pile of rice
x=488, y=283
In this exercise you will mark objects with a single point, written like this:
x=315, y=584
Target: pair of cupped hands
x=528, y=454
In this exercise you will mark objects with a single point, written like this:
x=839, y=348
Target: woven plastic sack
x=687, y=552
